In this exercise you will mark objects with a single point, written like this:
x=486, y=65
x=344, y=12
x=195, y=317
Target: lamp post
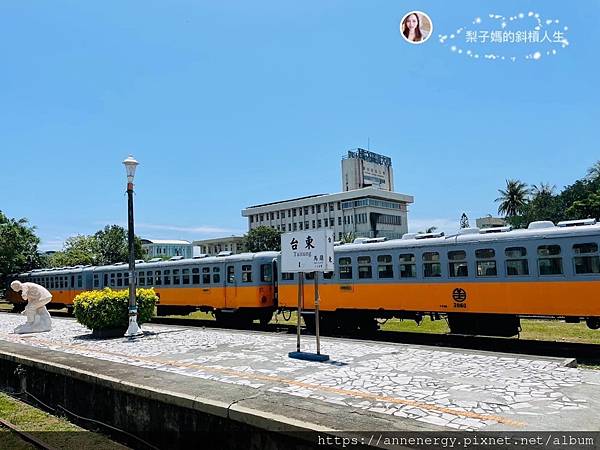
x=133, y=329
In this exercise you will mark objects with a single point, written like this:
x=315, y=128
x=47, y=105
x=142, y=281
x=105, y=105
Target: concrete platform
x=247, y=377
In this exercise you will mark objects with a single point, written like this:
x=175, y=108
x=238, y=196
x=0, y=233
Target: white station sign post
x=301, y=252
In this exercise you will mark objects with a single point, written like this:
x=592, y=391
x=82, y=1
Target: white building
x=214, y=246
x=160, y=248
x=366, y=212
x=362, y=168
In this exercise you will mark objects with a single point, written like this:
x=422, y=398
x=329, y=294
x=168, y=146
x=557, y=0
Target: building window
x=295, y=226
x=364, y=267
x=318, y=208
x=324, y=207
x=339, y=220
x=289, y=227
x=408, y=266
x=314, y=224
x=516, y=261
x=457, y=264
x=289, y=213
x=318, y=223
x=306, y=225
x=345, y=268
x=587, y=259
x=294, y=212
x=549, y=260
x=431, y=265
x=301, y=225
x=305, y=210
x=312, y=209
x=385, y=267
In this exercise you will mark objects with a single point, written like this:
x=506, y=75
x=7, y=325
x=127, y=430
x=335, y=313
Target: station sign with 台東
x=307, y=251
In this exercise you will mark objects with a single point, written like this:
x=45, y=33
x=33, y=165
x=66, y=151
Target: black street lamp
x=133, y=329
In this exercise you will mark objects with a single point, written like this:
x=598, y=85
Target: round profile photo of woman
x=416, y=27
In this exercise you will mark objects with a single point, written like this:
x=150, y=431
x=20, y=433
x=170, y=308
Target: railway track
x=27, y=437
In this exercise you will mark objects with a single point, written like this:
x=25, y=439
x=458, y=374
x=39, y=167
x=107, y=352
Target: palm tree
x=593, y=173
x=542, y=189
x=512, y=199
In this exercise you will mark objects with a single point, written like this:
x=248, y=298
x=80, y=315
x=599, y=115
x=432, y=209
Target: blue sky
x=232, y=103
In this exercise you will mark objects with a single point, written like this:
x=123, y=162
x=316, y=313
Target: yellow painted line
x=258, y=377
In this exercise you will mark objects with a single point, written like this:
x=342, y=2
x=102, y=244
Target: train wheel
x=593, y=322
x=310, y=322
x=265, y=318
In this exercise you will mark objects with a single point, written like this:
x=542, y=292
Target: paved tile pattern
x=453, y=389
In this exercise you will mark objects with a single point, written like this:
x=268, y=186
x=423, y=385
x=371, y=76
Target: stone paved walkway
x=459, y=390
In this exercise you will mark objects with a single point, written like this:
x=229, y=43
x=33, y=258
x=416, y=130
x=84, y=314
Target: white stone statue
x=38, y=317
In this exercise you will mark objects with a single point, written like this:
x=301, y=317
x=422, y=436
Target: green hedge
x=99, y=310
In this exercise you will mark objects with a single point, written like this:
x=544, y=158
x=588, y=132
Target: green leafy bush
x=105, y=309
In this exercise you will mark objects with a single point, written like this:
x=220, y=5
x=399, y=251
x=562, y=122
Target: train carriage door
x=230, y=289
x=275, y=280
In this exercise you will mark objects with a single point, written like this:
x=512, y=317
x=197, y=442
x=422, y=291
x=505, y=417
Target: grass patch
x=65, y=434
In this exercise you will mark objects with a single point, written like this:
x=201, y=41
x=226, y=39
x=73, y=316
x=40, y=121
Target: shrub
x=106, y=309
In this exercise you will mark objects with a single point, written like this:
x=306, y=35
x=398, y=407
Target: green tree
x=348, y=238
x=593, y=173
x=111, y=246
x=18, y=247
x=512, y=199
x=588, y=208
x=262, y=239
x=76, y=250
x=542, y=189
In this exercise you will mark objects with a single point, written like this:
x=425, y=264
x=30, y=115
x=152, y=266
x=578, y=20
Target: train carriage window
x=125, y=279
x=345, y=268
x=549, y=260
x=230, y=274
x=309, y=275
x=385, y=267
x=79, y=281
x=72, y=285
x=96, y=280
x=206, y=275
x=516, y=262
x=185, y=276
x=149, y=280
x=327, y=275
x=113, y=280
x=364, y=267
x=287, y=276
x=52, y=283
x=216, y=275
x=587, y=260
x=105, y=279
x=158, y=277
x=176, y=277
x=266, y=273
x=119, y=279
x=141, y=278
x=431, y=265
x=408, y=268
x=486, y=265
x=246, y=273
x=167, y=277
x=457, y=264
x=195, y=275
